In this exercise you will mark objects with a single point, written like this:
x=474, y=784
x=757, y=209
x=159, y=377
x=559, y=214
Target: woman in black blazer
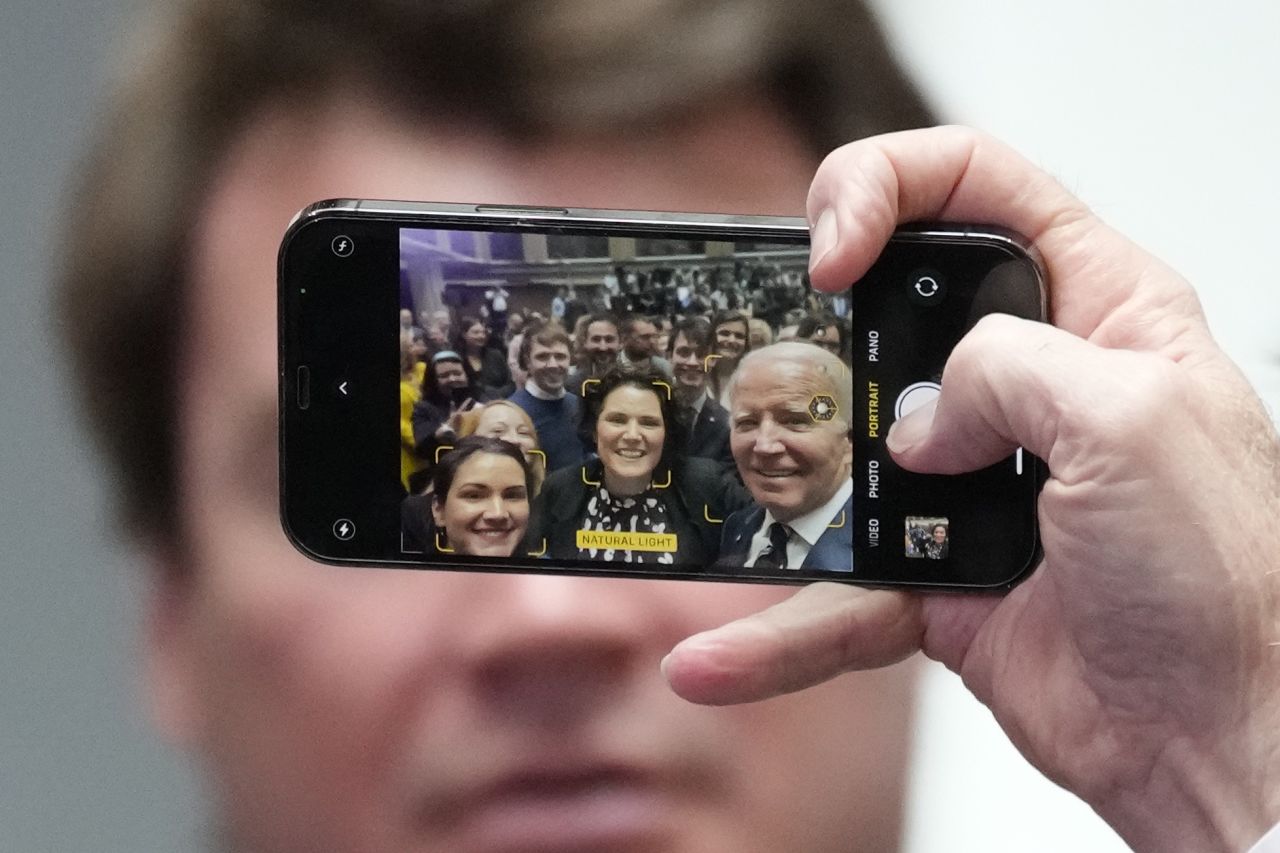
x=639, y=500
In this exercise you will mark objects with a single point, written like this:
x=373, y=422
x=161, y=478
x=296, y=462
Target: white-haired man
x=789, y=406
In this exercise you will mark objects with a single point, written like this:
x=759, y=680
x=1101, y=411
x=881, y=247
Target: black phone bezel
x=374, y=226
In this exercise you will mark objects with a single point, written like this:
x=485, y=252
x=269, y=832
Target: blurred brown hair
x=524, y=68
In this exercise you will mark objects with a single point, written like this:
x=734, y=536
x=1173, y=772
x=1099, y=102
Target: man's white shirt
x=536, y=390
x=805, y=531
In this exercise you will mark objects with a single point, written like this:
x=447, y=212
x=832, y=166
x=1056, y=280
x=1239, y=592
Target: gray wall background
x=80, y=768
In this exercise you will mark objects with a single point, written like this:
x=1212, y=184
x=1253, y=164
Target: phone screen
x=621, y=395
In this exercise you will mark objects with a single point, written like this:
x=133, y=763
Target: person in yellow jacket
x=412, y=372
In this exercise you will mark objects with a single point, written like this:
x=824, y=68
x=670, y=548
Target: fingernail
x=824, y=237
x=695, y=643
x=911, y=429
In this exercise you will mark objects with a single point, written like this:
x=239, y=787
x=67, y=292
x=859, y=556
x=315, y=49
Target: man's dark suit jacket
x=709, y=438
x=833, y=552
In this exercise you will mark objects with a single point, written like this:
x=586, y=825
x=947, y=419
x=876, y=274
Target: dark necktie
x=774, y=556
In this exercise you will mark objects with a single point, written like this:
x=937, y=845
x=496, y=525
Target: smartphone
x=640, y=427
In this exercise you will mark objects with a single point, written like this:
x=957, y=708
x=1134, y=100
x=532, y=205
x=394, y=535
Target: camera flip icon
x=822, y=407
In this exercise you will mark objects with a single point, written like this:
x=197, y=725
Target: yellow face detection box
x=625, y=540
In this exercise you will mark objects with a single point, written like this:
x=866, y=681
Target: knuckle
x=984, y=348
x=1144, y=398
x=1155, y=389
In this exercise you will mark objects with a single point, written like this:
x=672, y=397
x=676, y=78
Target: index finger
x=862, y=191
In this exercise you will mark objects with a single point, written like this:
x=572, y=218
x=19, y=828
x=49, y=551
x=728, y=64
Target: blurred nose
x=632, y=431
x=551, y=650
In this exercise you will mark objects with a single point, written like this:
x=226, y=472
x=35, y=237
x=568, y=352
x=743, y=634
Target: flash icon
x=342, y=246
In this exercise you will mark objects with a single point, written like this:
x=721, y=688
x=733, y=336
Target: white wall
x=1165, y=118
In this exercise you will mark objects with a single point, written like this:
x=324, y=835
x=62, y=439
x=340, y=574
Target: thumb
x=1009, y=382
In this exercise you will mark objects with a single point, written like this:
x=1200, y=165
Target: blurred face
x=664, y=337
x=827, y=337
x=549, y=366
x=477, y=335
x=759, y=336
x=642, y=341
x=406, y=318
x=487, y=508
x=506, y=423
x=629, y=436
x=602, y=343
x=384, y=711
x=688, y=367
x=790, y=462
x=450, y=375
x=939, y=534
x=731, y=339
x=437, y=334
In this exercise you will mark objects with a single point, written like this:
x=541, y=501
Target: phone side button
x=304, y=387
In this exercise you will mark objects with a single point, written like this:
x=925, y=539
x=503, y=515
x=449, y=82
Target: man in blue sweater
x=544, y=353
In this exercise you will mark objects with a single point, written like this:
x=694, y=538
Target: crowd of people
x=642, y=438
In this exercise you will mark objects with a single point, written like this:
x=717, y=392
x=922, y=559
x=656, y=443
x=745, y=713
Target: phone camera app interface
x=610, y=400
x=907, y=318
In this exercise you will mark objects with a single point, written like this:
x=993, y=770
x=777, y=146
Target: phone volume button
x=304, y=387
x=521, y=209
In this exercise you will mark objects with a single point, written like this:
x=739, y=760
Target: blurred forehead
x=537, y=347
x=345, y=146
x=500, y=414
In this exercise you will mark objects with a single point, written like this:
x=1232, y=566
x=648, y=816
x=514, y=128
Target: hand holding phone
x=1136, y=666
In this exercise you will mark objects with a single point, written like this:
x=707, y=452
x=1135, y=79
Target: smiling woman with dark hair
x=480, y=501
x=638, y=483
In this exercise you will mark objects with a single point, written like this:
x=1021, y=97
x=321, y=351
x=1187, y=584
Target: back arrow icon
x=342, y=387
